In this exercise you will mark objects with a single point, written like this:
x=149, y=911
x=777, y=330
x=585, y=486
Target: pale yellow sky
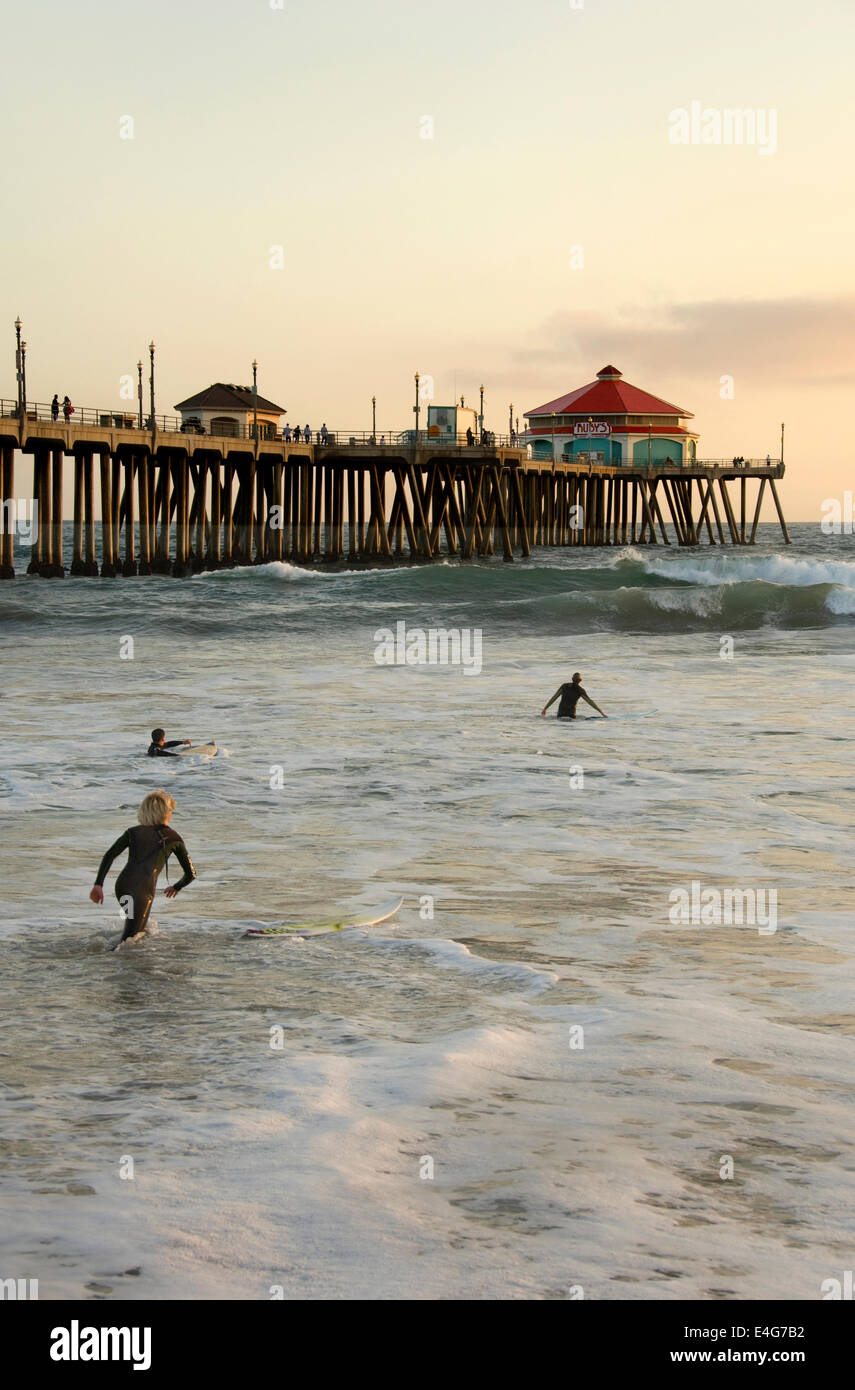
x=301, y=127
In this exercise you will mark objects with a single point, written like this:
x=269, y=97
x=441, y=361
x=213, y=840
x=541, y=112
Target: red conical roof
x=609, y=395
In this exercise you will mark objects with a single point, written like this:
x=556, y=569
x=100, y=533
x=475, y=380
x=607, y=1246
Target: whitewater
x=532, y=1082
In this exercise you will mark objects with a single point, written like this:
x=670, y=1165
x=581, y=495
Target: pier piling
x=170, y=504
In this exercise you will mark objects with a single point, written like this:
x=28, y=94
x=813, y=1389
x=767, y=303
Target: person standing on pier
x=286, y=434
x=67, y=409
x=149, y=845
x=296, y=434
x=324, y=433
x=54, y=408
x=307, y=435
x=571, y=693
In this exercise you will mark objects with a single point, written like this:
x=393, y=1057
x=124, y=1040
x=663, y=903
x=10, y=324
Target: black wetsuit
x=158, y=750
x=570, y=696
x=149, y=847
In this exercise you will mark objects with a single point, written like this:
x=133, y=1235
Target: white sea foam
x=454, y=955
x=737, y=568
x=702, y=604
x=840, y=601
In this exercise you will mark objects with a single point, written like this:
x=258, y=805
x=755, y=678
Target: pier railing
x=104, y=417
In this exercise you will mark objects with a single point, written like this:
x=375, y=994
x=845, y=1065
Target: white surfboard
x=200, y=750
x=334, y=924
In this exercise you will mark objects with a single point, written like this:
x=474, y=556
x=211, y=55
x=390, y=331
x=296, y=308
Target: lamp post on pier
x=139, y=391
x=373, y=419
x=151, y=385
x=782, y=441
x=18, y=377
x=255, y=401
x=649, y=427
x=481, y=415
x=416, y=408
x=24, y=378
x=511, y=422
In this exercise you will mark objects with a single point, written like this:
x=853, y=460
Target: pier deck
x=175, y=503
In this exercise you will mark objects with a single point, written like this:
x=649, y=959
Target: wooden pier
x=173, y=503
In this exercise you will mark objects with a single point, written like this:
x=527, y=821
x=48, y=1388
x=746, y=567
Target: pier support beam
x=143, y=467
x=40, y=550
x=57, y=568
x=129, y=564
x=8, y=513
x=777, y=502
x=108, y=560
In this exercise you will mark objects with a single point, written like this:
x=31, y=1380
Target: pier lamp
x=553, y=439
x=510, y=420
x=416, y=408
x=24, y=379
x=18, y=327
x=373, y=419
x=649, y=427
x=481, y=416
x=139, y=390
x=151, y=383
x=254, y=399
x=782, y=441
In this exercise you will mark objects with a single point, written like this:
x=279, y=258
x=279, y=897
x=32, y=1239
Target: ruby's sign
x=592, y=429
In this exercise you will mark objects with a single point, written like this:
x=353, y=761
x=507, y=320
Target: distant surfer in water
x=149, y=845
x=571, y=693
x=159, y=748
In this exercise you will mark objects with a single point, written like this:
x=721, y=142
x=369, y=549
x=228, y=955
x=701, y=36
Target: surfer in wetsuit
x=149, y=845
x=571, y=693
x=158, y=748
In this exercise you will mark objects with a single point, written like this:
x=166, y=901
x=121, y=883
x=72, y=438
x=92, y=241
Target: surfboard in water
x=201, y=750
x=334, y=924
x=588, y=718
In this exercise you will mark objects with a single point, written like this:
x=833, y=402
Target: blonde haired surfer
x=149, y=845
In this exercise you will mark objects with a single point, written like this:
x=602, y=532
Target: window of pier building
x=225, y=425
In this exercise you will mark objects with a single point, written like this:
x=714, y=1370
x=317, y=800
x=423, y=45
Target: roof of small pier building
x=611, y=421
x=228, y=410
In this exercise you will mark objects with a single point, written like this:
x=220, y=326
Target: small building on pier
x=228, y=411
x=609, y=421
x=449, y=423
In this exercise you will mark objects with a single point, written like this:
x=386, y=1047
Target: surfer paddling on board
x=149, y=845
x=159, y=748
x=571, y=693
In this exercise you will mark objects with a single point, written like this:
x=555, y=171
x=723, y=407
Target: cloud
x=806, y=341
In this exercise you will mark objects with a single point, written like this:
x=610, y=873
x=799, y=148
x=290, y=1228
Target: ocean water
x=534, y=1080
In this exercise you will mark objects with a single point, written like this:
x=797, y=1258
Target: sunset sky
x=301, y=126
